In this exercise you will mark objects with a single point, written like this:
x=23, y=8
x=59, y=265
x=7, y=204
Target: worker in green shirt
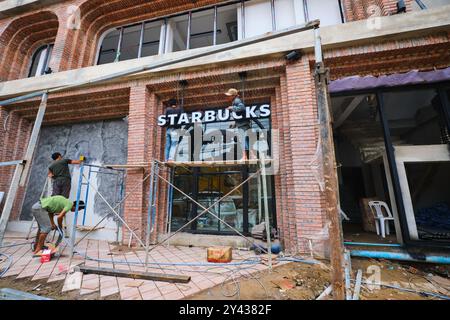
x=44, y=210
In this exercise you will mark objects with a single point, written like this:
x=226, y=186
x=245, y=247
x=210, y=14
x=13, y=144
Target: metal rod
x=118, y=216
x=135, y=187
x=207, y=210
x=272, y=11
x=266, y=210
x=141, y=39
x=306, y=10
x=149, y=214
x=75, y=216
x=215, y=26
x=421, y=5
x=170, y=212
x=166, y=25
x=155, y=193
x=86, y=197
x=119, y=45
x=12, y=163
x=243, y=19
x=188, y=40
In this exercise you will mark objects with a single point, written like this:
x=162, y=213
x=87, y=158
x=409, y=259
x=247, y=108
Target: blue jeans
x=170, y=143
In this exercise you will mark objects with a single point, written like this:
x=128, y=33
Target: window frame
x=240, y=7
x=48, y=52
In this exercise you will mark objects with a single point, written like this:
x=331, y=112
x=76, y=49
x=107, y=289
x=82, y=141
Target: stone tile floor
x=202, y=277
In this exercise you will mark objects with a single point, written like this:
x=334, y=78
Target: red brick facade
x=288, y=86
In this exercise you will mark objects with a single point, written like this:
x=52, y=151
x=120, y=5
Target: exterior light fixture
x=293, y=56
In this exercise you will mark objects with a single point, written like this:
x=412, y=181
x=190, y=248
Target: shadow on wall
x=100, y=142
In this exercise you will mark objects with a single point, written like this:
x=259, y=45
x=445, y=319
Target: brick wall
x=364, y=9
x=21, y=38
x=13, y=143
x=76, y=34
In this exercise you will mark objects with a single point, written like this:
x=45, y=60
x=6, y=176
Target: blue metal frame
x=86, y=196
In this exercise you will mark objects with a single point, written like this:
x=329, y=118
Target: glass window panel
x=179, y=26
x=256, y=202
x=40, y=61
x=130, y=42
x=430, y=4
x=415, y=117
x=284, y=14
x=429, y=183
x=181, y=205
x=258, y=17
x=327, y=11
x=152, y=35
x=108, y=50
x=202, y=29
x=227, y=29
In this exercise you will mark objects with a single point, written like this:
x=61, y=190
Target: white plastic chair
x=381, y=220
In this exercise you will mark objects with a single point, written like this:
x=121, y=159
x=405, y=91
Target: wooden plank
x=136, y=274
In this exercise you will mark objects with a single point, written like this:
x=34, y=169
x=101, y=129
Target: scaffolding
x=155, y=168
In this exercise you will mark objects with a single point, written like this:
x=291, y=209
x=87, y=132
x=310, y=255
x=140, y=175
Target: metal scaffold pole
x=151, y=204
x=266, y=209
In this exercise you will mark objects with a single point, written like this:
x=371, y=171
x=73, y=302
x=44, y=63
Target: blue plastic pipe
x=403, y=256
x=367, y=244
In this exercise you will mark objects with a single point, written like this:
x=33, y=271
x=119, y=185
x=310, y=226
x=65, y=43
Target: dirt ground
x=296, y=281
x=293, y=281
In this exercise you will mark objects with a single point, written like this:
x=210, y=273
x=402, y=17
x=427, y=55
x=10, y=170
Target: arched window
x=40, y=61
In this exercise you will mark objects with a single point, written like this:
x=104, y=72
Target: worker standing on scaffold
x=238, y=107
x=61, y=180
x=172, y=138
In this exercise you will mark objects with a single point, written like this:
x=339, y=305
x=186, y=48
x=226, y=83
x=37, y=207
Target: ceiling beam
x=348, y=111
